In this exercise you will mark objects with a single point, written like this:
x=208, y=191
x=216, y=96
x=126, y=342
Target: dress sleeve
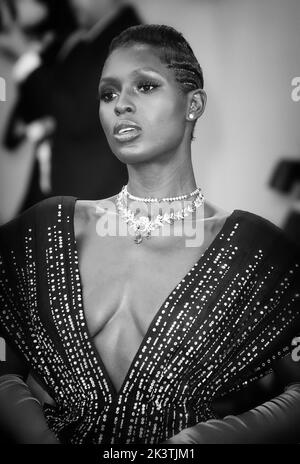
x=276, y=421
x=271, y=336
x=13, y=287
x=268, y=309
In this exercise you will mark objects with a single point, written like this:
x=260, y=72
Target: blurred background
x=247, y=149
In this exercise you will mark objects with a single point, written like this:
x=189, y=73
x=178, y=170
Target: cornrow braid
x=173, y=50
x=187, y=75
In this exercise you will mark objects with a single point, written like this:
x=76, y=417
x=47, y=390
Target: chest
x=124, y=285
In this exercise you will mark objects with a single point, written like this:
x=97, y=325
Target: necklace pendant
x=138, y=238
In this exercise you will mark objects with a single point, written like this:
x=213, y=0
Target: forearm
x=276, y=421
x=21, y=415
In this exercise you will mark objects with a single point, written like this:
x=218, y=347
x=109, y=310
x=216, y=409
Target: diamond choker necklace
x=143, y=225
x=159, y=200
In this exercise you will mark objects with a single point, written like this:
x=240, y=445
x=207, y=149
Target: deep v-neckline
x=113, y=391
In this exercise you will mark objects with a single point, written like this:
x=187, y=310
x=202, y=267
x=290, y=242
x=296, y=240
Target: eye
x=147, y=86
x=107, y=95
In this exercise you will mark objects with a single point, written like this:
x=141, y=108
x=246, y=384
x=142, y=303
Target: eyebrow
x=116, y=80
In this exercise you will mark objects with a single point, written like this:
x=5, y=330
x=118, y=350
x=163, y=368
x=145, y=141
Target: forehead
x=125, y=60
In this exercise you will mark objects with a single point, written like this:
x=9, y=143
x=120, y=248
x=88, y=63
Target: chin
x=131, y=154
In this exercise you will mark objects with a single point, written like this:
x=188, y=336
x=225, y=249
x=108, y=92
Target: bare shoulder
x=87, y=211
x=214, y=212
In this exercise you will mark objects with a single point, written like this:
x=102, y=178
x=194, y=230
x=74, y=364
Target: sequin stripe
x=30, y=308
x=49, y=365
x=52, y=370
x=172, y=423
x=250, y=301
x=146, y=423
x=212, y=335
x=40, y=344
x=264, y=340
x=93, y=375
x=280, y=321
x=59, y=306
x=200, y=360
x=152, y=429
x=7, y=290
x=82, y=385
x=78, y=321
x=239, y=321
x=250, y=283
x=209, y=316
x=266, y=305
x=131, y=421
x=57, y=288
x=233, y=318
x=11, y=326
x=283, y=283
x=231, y=377
x=24, y=278
x=123, y=407
x=98, y=428
x=206, y=294
x=44, y=356
x=30, y=345
x=7, y=293
x=19, y=326
x=176, y=417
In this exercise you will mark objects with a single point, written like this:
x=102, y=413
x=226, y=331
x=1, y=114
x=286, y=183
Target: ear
x=196, y=104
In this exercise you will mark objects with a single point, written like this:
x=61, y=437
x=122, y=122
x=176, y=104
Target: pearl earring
x=191, y=116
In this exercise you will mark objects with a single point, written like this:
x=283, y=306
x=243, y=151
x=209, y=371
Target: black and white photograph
x=149, y=224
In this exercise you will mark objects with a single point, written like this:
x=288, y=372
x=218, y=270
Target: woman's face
x=142, y=110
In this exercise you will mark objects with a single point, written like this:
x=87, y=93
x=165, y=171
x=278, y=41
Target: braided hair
x=172, y=48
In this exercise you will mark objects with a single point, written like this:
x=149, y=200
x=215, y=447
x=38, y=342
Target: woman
x=35, y=32
x=73, y=154
x=138, y=335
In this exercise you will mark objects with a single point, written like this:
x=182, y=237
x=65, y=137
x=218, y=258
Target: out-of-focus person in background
x=73, y=157
x=33, y=32
x=82, y=162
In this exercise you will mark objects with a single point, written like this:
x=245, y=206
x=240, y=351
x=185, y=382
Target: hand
x=40, y=129
x=14, y=43
x=12, y=40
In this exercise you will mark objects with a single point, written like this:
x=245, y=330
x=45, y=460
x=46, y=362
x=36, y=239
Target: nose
x=124, y=105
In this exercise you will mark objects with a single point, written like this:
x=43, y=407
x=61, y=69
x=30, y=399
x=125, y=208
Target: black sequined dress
x=221, y=327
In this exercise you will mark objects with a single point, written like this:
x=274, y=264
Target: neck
x=158, y=181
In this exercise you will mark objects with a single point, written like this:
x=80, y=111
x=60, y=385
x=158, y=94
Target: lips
x=126, y=130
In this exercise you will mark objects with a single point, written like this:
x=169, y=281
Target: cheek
x=105, y=117
x=167, y=117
